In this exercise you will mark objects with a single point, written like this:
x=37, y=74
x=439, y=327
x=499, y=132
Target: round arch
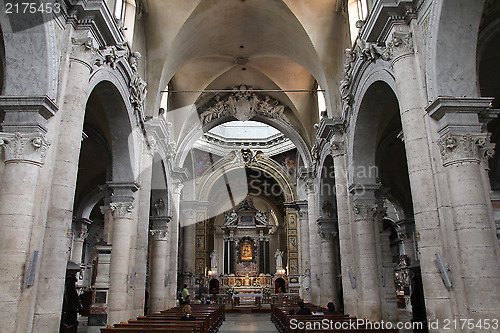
x=264, y=164
x=196, y=132
x=124, y=131
x=365, y=119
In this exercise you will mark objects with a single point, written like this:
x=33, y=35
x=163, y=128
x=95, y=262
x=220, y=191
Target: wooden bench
x=208, y=320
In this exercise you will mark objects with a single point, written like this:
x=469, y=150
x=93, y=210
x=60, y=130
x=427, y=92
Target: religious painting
x=199, y=267
x=294, y=266
x=292, y=223
x=292, y=243
x=246, y=251
x=289, y=161
x=203, y=162
x=200, y=242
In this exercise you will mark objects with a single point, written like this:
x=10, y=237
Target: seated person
x=187, y=314
x=303, y=311
x=331, y=309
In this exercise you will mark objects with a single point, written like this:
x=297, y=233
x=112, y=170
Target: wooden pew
x=208, y=320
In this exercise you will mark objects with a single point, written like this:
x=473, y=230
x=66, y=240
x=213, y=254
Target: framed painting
x=246, y=251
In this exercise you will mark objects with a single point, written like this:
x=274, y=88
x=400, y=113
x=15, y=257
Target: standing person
x=281, y=296
x=186, y=296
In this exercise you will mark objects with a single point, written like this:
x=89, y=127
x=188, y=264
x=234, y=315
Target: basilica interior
x=336, y=151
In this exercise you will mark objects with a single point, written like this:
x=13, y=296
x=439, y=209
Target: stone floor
x=248, y=323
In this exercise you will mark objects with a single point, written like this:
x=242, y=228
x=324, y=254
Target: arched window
x=119, y=9
x=321, y=101
x=357, y=10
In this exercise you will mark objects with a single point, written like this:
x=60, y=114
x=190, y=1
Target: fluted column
x=416, y=126
x=464, y=151
x=24, y=156
x=56, y=242
x=159, y=249
x=313, y=242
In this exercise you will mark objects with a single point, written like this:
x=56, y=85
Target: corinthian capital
x=337, y=148
x=26, y=148
x=367, y=212
x=465, y=148
x=400, y=45
x=122, y=209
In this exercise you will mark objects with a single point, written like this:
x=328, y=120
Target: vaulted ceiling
x=265, y=44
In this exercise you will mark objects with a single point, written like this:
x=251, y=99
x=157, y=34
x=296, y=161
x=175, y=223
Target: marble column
x=305, y=268
x=56, y=242
x=424, y=178
x=464, y=150
x=24, y=156
x=344, y=221
x=313, y=243
x=366, y=229
x=158, y=273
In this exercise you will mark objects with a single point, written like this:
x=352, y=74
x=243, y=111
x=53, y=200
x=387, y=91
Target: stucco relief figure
x=368, y=50
x=279, y=259
x=138, y=90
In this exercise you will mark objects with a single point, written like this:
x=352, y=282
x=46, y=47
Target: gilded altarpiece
x=200, y=245
x=292, y=242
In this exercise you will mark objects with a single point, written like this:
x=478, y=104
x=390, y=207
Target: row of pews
x=208, y=320
x=286, y=323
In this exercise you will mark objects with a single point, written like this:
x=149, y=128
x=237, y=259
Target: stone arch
x=196, y=130
x=30, y=55
x=365, y=119
x=455, y=30
x=260, y=163
x=123, y=128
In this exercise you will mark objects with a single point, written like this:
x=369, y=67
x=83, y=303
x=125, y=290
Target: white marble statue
x=279, y=259
x=213, y=261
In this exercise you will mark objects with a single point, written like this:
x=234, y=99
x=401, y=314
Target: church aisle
x=248, y=323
